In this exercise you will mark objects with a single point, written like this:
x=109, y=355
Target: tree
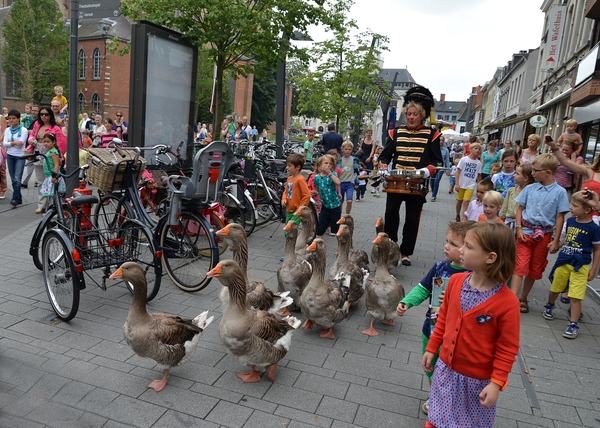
x=344, y=84
x=234, y=29
x=36, y=48
x=264, y=99
x=204, y=88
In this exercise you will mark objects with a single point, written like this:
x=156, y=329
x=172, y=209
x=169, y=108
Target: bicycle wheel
x=249, y=213
x=60, y=277
x=216, y=223
x=189, y=251
x=234, y=210
x=138, y=246
x=265, y=210
x=49, y=221
x=111, y=212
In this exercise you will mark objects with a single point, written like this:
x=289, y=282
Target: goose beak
x=340, y=232
x=377, y=223
x=215, y=272
x=312, y=247
x=223, y=232
x=117, y=274
x=377, y=240
x=341, y=221
x=298, y=211
x=288, y=226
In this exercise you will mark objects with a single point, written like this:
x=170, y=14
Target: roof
x=388, y=75
x=448, y=106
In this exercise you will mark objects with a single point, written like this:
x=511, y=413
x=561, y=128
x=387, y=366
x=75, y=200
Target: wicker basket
x=106, y=169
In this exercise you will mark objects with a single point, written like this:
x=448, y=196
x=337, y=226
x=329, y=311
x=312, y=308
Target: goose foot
x=284, y=312
x=271, y=372
x=250, y=377
x=159, y=384
x=370, y=331
x=308, y=325
x=327, y=334
x=389, y=322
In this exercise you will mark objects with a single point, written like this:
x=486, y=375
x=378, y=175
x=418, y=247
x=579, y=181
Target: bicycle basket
x=107, y=169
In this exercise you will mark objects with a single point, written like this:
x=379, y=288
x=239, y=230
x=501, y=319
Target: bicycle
x=74, y=246
x=183, y=234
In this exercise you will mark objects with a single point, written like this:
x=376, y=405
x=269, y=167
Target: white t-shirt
x=469, y=170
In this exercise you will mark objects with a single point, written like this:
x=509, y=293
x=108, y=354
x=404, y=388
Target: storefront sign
x=538, y=121
x=556, y=24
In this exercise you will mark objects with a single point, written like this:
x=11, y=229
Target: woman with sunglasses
x=43, y=125
x=120, y=126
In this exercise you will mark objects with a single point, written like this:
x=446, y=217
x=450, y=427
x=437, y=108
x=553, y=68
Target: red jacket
x=477, y=350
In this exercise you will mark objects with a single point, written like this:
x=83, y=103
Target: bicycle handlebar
x=56, y=174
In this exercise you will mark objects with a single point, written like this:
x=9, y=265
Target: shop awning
x=556, y=99
x=509, y=122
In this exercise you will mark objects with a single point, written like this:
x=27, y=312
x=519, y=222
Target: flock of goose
x=257, y=326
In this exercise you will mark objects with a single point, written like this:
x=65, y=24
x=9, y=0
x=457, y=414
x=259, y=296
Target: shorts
x=290, y=216
x=347, y=190
x=464, y=194
x=425, y=342
x=577, y=281
x=532, y=257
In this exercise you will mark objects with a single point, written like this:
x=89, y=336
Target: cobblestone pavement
x=83, y=374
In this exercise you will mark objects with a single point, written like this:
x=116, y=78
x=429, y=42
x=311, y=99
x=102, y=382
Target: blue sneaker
x=547, y=313
x=572, y=331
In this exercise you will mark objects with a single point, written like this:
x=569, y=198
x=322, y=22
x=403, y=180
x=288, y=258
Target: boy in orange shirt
x=296, y=193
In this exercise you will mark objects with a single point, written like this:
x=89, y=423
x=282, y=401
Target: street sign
x=99, y=9
x=99, y=4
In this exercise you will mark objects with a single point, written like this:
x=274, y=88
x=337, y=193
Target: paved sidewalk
x=83, y=374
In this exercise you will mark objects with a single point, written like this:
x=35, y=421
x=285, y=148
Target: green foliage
x=233, y=29
x=343, y=86
x=264, y=99
x=204, y=88
x=36, y=48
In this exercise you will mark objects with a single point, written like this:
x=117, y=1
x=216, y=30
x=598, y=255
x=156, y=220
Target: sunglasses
x=44, y=114
x=119, y=115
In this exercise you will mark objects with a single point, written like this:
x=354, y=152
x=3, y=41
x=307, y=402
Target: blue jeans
x=15, y=169
x=435, y=183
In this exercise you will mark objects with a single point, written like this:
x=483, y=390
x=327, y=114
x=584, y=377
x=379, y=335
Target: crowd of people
x=44, y=129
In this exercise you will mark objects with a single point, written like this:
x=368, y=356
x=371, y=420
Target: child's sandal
x=524, y=306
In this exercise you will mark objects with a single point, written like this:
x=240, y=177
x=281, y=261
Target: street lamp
x=281, y=101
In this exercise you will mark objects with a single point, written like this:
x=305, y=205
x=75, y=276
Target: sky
x=450, y=46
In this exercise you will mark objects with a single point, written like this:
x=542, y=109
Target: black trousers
x=414, y=206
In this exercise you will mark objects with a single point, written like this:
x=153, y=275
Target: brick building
x=103, y=77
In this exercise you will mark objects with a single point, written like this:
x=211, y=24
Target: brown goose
x=293, y=275
x=354, y=277
x=256, y=338
x=385, y=291
x=323, y=302
x=394, y=256
x=167, y=339
x=358, y=257
x=307, y=221
x=259, y=297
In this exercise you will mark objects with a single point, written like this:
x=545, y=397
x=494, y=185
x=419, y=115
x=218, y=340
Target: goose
x=167, y=339
x=293, y=275
x=259, y=297
x=343, y=269
x=385, y=291
x=356, y=256
x=323, y=302
x=307, y=221
x=394, y=256
x=256, y=338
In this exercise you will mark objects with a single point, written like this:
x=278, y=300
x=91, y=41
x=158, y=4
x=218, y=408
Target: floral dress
x=455, y=397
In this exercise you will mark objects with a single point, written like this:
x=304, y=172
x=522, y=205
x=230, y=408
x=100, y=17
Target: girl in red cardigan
x=478, y=332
